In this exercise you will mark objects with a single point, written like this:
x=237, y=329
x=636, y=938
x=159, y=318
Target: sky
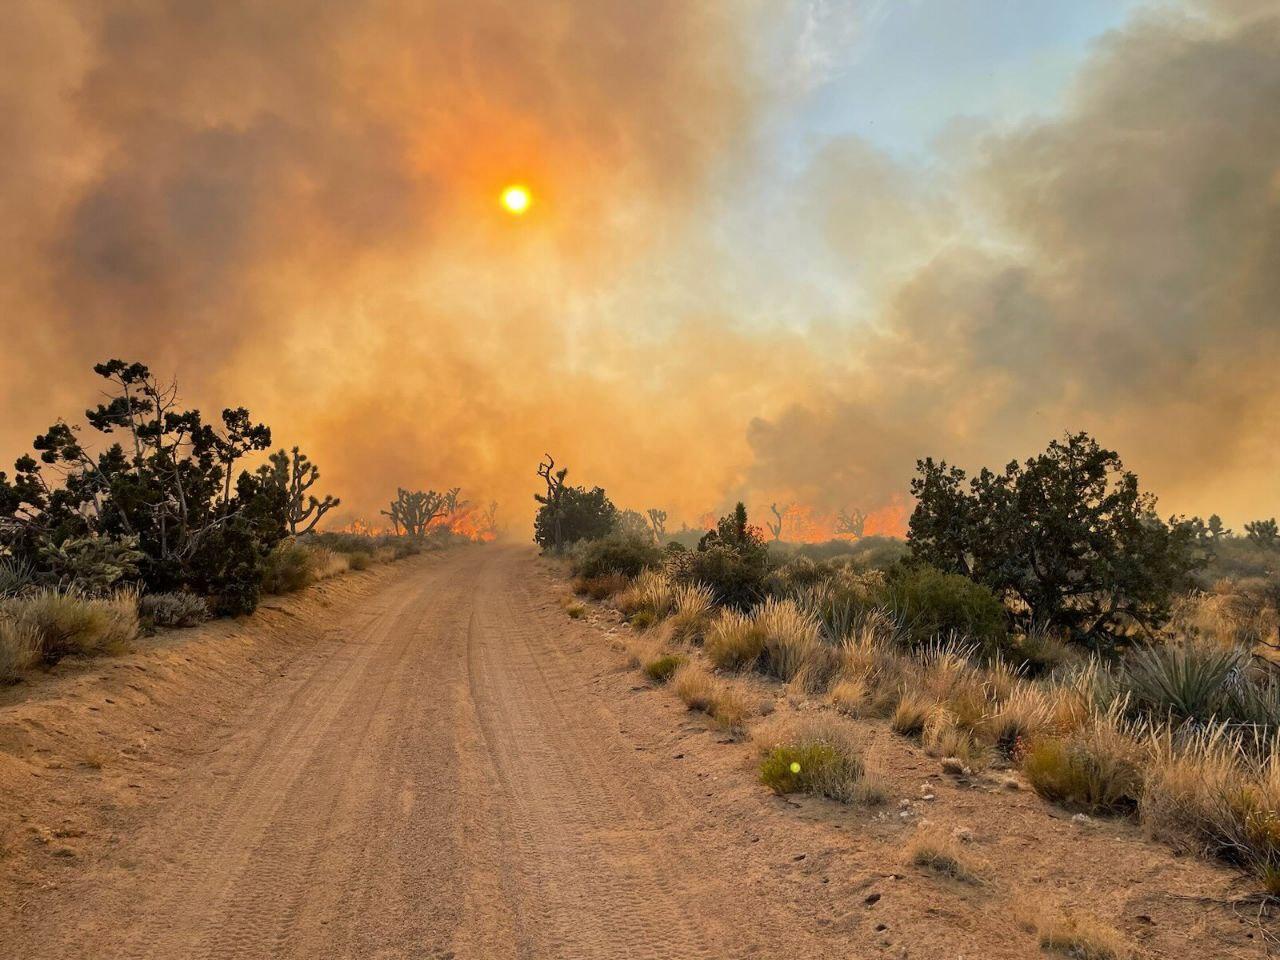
x=777, y=250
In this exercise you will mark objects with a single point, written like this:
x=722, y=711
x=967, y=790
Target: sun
x=515, y=199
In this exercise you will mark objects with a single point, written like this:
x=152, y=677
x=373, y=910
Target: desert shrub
x=1068, y=535
x=19, y=647
x=576, y=611
x=161, y=500
x=66, y=623
x=929, y=603
x=731, y=560
x=735, y=577
x=734, y=641
x=359, y=559
x=816, y=755
x=642, y=619
x=289, y=567
x=942, y=853
x=624, y=553
x=1097, y=767
x=173, y=609
x=694, y=609
x=661, y=668
x=570, y=514
x=601, y=587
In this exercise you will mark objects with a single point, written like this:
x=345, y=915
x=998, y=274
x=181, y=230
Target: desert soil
x=431, y=759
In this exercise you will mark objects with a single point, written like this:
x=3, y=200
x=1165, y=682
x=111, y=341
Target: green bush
x=813, y=767
x=929, y=603
x=624, y=553
x=289, y=567
x=662, y=667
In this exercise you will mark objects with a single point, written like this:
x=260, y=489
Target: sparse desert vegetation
x=1138, y=686
x=155, y=523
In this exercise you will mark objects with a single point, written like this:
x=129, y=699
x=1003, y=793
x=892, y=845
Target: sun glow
x=516, y=199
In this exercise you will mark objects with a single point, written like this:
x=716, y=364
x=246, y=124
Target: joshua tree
x=452, y=505
x=851, y=523
x=658, y=521
x=294, y=474
x=775, y=525
x=1263, y=532
x=490, y=518
x=411, y=512
x=553, y=500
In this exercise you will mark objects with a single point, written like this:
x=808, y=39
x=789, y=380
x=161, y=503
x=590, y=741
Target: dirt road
x=443, y=778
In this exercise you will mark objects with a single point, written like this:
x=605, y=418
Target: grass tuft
x=942, y=853
x=660, y=668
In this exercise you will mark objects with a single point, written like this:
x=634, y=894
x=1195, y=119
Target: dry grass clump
x=576, y=611
x=66, y=623
x=1098, y=767
x=934, y=849
x=1211, y=790
x=851, y=697
x=722, y=701
x=820, y=755
x=695, y=686
x=1015, y=722
x=1076, y=936
x=734, y=641
x=19, y=648
x=694, y=608
x=660, y=668
x=650, y=597
x=602, y=586
x=793, y=646
x=911, y=714
x=730, y=708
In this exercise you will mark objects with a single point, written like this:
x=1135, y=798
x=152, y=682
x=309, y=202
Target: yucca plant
x=1185, y=681
x=16, y=575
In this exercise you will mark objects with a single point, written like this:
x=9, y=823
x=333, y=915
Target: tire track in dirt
x=439, y=780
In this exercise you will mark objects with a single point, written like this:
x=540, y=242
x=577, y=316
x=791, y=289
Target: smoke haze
x=292, y=206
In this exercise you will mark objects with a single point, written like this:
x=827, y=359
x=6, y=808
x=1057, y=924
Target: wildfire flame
x=462, y=523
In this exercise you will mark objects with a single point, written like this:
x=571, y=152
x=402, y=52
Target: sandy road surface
x=444, y=781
